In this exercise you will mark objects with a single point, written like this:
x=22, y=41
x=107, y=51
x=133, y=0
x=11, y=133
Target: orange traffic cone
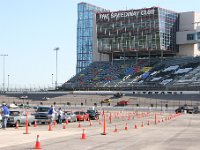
x=83, y=135
x=35, y=124
x=135, y=126
x=126, y=127
x=50, y=127
x=64, y=126
x=67, y=121
x=79, y=125
x=17, y=126
x=142, y=125
x=54, y=123
x=104, y=125
x=116, y=130
x=37, y=144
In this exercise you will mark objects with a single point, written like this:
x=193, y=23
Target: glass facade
x=85, y=29
x=168, y=26
x=137, y=30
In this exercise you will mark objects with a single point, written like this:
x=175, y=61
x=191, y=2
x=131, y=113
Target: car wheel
x=18, y=122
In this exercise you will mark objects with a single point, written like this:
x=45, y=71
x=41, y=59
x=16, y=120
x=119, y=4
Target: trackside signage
x=124, y=14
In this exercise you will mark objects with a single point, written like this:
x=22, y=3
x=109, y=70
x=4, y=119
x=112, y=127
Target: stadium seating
x=170, y=72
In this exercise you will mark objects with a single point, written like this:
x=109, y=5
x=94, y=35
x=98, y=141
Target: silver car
x=70, y=116
x=18, y=116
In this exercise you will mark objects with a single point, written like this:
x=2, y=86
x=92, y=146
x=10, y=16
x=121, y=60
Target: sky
x=30, y=30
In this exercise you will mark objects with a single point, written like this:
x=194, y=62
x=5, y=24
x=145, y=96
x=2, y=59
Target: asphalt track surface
x=178, y=133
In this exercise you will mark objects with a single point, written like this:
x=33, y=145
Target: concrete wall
x=197, y=49
x=186, y=50
x=197, y=19
x=188, y=25
x=185, y=21
x=181, y=37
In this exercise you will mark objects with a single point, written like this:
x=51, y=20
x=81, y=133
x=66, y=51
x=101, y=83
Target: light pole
x=56, y=49
x=8, y=82
x=4, y=55
x=52, y=79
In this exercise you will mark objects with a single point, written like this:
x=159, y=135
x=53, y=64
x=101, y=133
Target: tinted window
x=198, y=35
x=76, y=112
x=43, y=109
x=14, y=113
x=90, y=111
x=190, y=36
x=79, y=112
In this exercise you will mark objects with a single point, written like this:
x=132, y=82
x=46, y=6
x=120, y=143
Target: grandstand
x=170, y=73
x=138, y=49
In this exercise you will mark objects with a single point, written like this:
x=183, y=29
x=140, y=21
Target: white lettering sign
x=132, y=13
x=104, y=16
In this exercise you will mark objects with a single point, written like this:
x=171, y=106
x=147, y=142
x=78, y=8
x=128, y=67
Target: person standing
x=5, y=115
x=60, y=115
x=52, y=113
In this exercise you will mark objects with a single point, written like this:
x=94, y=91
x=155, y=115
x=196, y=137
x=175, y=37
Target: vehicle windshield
x=14, y=113
x=79, y=113
x=43, y=109
x=90, y=111
x=68, y=113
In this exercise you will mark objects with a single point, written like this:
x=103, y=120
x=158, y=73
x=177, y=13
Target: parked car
x=93, y=114
x=106, y=101
x=122, y=103
x=41, y=115
x=24, y=106
x=189, y=109
x=13, y=106
x=118, y=95
x=45, y=98
x=70, y=116
x=18, y=116
x=81, y=116
x=23, y=97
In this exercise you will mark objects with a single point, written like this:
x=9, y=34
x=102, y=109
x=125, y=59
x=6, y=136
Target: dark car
x=118, y=95
x=42, y=116
x=93, y=114
x=189, y=109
